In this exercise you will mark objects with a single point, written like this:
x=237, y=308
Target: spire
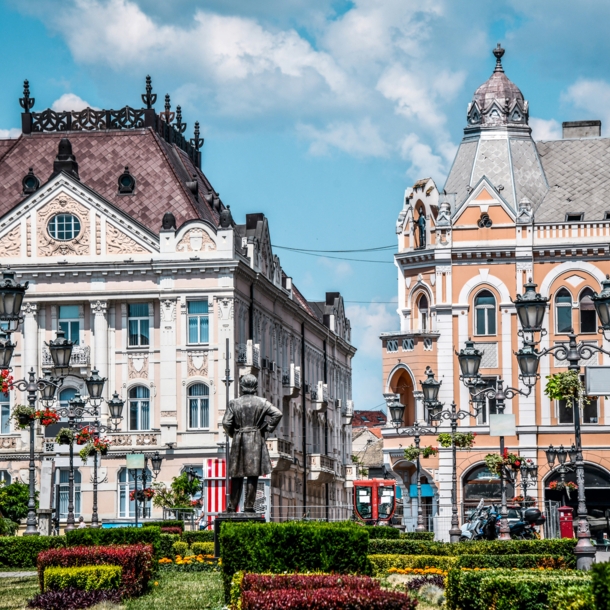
x=499, y=52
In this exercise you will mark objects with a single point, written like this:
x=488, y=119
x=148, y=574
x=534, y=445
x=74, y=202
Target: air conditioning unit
x=338, y=403
x=272, y=366
x=265, y=363
x=307, y=388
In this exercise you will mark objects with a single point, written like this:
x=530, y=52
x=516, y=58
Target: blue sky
x=318, y=113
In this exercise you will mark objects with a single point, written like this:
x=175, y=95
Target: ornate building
x=129, y=250
x=511, y=209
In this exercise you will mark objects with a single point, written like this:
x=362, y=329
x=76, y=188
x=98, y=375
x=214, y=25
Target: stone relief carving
x=225, y=309
x=30, y=309
x=102, y=475
x=147, y=439
x=195, y=240
x=197, y=364
x=99, y=308
x=118, y=242
x=168, y=310
x=169, y=413
x=8, y=442
x=10, y=244
x=138, y=366
x=47, y=246
x=121, y=440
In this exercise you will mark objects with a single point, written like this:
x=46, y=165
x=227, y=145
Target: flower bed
x=74, y=599
x=192, y=563
x=135, y=560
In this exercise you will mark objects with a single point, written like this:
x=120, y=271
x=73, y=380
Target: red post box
x=566, y=522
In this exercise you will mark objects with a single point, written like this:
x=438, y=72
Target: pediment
x=484, y=197
x=65, y=219
x=196, y=237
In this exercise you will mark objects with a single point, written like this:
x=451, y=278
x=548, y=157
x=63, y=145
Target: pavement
x=16, y=574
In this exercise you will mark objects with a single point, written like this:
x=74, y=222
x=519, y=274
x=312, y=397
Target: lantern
x=430, y=387
x=531, y=307
x=95, y=385
x=11, y=297
x=528, y=359
x=562, y=455
x=397, y=413
x=551, y=454
x=61, y=350
x=602, y=304
x=573, y=452
x=470, y=359
x=49, y=385
x=115, y=406
x=6, y=351
x=156, y=460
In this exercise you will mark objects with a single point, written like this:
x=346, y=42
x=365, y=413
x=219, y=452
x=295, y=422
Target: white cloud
x=368, y=322
x=70, y=101
x=424, y=163
x=362, y=139
x=6, y=134
x=340, y=269
x=592, y=96
x=543, y=129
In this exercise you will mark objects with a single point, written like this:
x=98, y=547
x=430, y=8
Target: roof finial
x=26, y=102
x=197, y=142
x=167, y=116
x=149, y=98
x=179, y=125
x=498, y=52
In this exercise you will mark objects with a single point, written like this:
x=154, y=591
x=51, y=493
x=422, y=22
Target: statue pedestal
x=233, y=518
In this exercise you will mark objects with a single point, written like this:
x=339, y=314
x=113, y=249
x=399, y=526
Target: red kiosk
x=375, y=500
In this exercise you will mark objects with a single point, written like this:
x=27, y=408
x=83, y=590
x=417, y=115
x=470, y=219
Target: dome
x=498, y=101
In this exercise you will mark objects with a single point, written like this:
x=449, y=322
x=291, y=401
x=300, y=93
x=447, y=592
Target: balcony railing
x=347, y=412
x=81, y=356
x=279, y=446
x=321, y=468
x=319, y=396
x=249, y=354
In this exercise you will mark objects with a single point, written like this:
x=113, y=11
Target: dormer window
x=575, y=216
x=606, y=215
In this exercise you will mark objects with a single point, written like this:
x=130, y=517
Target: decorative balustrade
x=81, y=356
x=321, y=468
x=554, y=233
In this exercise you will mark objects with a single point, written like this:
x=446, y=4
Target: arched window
x=5, y=477
x=588, y=317
x=64, y=492
x=5, y=414
x=424, y=312
x=127, y=507
x=485, y=313
x=139, y=408
x=480, y=483
x=199, y=406
x=563, y=311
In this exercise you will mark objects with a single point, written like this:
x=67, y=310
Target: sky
x=318, y=113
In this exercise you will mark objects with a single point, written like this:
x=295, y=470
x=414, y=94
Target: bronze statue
x=421, y=226
x=247, y=421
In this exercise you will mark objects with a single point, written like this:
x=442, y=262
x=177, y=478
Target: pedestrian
x=81, y=523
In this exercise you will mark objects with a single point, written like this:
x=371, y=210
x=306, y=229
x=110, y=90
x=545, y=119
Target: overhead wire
x=378, y=248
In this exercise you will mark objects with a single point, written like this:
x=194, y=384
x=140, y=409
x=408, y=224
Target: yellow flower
x=156, y=584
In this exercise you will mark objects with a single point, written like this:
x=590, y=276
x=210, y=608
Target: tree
x=178, y=495
x=14, y=499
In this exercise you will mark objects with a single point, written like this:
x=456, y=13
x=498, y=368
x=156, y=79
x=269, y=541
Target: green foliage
x=565, y=385
x=118, y=535
x=180, y=548
x=167, y=523
x=25, y=411
x=506, y=589
x=14, y=499
x=412, y=452
x=178, y=494
x=573, y=597
x=22, y=551
x=200, y=536
x=202, y=548
x=561, y=546
x=382, y=563
x=235, y=591
x=417, y=536
x=7, y=527
x=65, y=436
x=85, y=578
x=600, y=573
x=293, y=546
x=383, y=531
x=463, y=440
x=166, y=545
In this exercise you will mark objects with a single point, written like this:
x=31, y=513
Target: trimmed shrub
x=338, y=599
x=171, y=530
x=267, y=582
x=573, y=597
x=382, y=563
x=166, y=545
x=73, y=599
x=293, y=547
x=180, y=548
x=85, y=578
x=600, y=573
x=202, y=548
x=556, y=562
x=200, y=536
x=383, y=532
x=167, y=523
x=417, y=536
x=136, y=561
x=22, y=551
x=116, y=535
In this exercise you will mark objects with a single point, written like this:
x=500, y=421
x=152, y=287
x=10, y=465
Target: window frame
x=64, y=489
x=486, y=308
x=138, y=400
x=199, y=317
x=5, y=414
x=423, y=313
x=139, y=320
x=70, y=321
x=558, y=306
x=200, y=408
x=584, y=293
x=581, y=216
x=53, y=222
x=394, y=342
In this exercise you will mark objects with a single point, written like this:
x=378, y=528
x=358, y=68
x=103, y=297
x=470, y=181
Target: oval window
x=64, y=227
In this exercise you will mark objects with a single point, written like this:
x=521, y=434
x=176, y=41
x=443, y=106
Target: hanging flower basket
x=101, y=445
x=65, y=436
x=495, y=462
x=6, y=381
x=142, y=495
x=566, y=386
x=87, y=451
x=463, y=440
x=84, y=435
x=47, y=417
x=412, y=452
x=526, y=501
x=23, y=415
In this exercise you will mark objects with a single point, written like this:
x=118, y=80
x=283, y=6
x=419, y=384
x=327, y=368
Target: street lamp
x=6, y=350
x=562, y=468
x=531, y=307
x=601, y=302
x=61, y=351
x=529, y=477
x=11, y=299
x=470, y=360
x=156, y=460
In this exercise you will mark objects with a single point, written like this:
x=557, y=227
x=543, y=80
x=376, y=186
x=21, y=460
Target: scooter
x=480, y=524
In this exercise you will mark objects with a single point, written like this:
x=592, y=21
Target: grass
x=15, y=592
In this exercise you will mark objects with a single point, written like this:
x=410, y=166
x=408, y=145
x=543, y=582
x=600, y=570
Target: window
x=199, y=406
x=139, y=331
x=69, y=322
x=588, y=317
x=575, y=217
x=563, y=311
x=392, y=345
x=408, y=345
x=485, y=313
x=5, y=477
x=606, y=215
x=198, y=321
x=139, y=408
x=64, y=227
x=490, y=407
x=127, y=507
x=64, y=492
x=422, y=306
x=5, y=414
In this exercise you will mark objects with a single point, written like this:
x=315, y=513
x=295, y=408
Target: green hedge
x=417, y=536
x=116, y=535
x=573, y=597
x=85, y=578
x=382, y=563
x=200, y=536
x=291, y=547
x=22, y=551
x=202, y=548
x=167, y=523
x=507, y=589
x=383, y=532
x=564, y=547
x=180, y=548
x=166, y=544
x=600, y=573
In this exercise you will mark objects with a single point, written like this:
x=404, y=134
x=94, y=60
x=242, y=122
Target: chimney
x=65, y=160
x=581, y=129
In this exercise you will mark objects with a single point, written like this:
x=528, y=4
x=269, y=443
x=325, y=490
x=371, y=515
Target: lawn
x=189, y=591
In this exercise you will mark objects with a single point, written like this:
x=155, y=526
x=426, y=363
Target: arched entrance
x=401, y=383
x=479, y=483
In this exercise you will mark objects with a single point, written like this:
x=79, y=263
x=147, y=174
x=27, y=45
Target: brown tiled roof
x=160, y=170
x=369, y=419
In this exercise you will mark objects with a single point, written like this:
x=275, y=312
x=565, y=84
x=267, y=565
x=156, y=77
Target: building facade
x=128, y=249
x=511, y=209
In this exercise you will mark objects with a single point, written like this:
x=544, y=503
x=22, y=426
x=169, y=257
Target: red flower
x=517, y=463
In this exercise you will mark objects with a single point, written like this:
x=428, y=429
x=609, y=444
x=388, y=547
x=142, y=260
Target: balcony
x=280, y=453
x=81, y=357
x=249, y=355
x=351, y=474
x=347, y=413
x=291, y=382
x=321, y=469
x=319, y=397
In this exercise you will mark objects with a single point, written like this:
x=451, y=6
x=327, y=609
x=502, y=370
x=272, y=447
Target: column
x=30, y=337
x=100, y=354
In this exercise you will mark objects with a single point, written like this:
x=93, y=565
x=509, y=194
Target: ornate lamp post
x=531, y=308
x=156, y=459
x=562, y=468
x=529, y=477
x=397, y=411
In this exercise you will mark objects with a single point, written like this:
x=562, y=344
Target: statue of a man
x=247, y=421
x=421, y=225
